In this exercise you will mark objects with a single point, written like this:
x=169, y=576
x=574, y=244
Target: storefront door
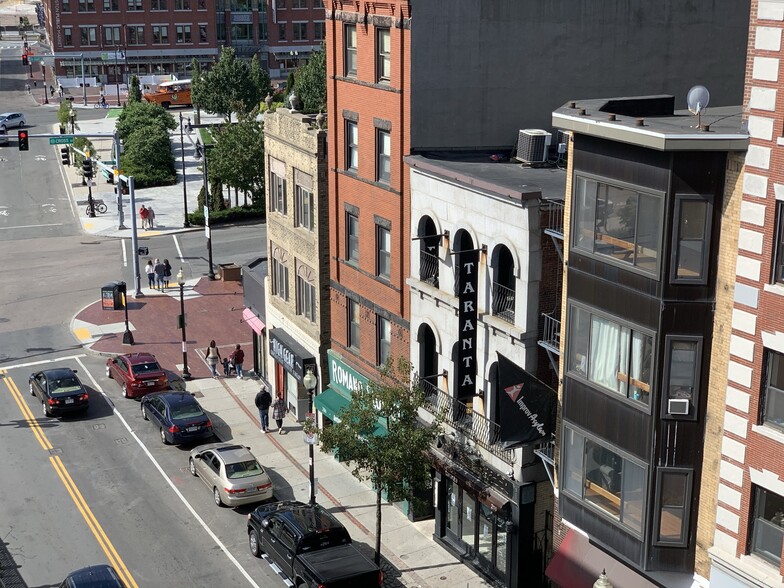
x=492, y=540
x=461, y=518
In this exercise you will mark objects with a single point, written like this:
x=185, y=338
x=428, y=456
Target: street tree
x=260, y=81
x=64, y=115
x=148, y=157
x=227, y=87
x=136, y=115
x=237, y=159
x=310, y=83
x=391, y=457
x=134, y=92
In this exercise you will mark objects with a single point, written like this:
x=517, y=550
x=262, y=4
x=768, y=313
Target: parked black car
x=101, y=576
x=310, y=545
x=179, y=417
x=59, y=391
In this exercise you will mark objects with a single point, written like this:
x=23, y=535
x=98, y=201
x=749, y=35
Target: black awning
x=294, y=358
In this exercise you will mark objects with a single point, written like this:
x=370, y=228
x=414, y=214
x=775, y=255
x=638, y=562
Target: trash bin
x=111, y=298
x=230, y=272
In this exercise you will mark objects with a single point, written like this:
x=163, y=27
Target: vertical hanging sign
x=468, y=262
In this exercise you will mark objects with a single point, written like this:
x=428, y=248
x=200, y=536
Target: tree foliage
x=237, y=159
x=136, y=115
x=232, y=85
x=261, y=81
x=64, y=115
x=394, y=462
x=310, y=84
x=148, y=157
x=134, y=92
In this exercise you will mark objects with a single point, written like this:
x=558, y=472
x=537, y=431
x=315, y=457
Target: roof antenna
x=697, y=100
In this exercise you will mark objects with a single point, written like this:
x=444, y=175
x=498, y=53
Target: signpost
x=63, y=140
x=35, y=58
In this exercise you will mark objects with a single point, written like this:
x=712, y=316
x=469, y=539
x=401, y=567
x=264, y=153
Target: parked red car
x=137, y=373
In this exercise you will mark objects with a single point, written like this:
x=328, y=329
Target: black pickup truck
x=311, y=547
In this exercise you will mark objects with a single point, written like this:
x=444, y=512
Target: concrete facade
x=295, y=150
x=493, y=67
x=747, y=538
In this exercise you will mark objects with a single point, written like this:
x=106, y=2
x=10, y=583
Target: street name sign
x=64, y=140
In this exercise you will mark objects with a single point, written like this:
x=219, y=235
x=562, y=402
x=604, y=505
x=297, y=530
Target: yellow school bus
x=174, y=93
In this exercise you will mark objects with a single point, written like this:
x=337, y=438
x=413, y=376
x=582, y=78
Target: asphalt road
x=98, y=488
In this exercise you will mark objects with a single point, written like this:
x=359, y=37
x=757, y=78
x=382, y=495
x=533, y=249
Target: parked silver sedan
x=232, y=472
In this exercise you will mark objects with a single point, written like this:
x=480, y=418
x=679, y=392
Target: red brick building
x=369, y=116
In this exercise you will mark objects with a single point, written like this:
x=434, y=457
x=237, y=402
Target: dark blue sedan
x=59, y=391
x=101, y=576
x=179, y=417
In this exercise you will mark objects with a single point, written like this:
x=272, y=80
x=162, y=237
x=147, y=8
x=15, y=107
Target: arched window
x=462, y=242
x=428, y=358
x=429, y=240
x=503, y=288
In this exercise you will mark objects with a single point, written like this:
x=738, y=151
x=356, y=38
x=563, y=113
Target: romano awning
x=330, y=403
x=578, y=564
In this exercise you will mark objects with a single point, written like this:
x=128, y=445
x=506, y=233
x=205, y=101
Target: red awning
x=253, y=321
x=577, y=564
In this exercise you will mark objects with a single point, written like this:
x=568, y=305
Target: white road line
x=195, y=515
x=32, y=226
x=43, y=361
x=68, y=189
x=179, y=250
x=125, y=253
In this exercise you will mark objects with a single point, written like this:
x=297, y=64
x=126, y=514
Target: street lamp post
x=116, y=77
x=181, y=281
x=203, y=150
x=84, y=86
x=127, y=335
x=185, y=223
x=310, y=382
x=46, y=92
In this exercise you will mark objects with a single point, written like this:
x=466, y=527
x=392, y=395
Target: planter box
x=230, y=272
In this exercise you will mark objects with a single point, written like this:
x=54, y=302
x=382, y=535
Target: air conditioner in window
x=678, y=406
x=532, y=145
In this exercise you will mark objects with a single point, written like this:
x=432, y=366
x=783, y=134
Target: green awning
x=330, y=403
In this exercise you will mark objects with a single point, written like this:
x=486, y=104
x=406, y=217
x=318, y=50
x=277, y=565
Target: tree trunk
x=236, y=196
x=377, y=559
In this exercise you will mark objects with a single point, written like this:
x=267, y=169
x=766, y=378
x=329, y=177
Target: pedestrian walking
x=213, y=356
x=160, y=270
x=263, y=401
x=35, y=83
x=226, y=367
x=166, y=273
x=279, y=411
x=237, y=357
x=27, y=87
x=51, y=90
x=143, y=214
x=60, y=90
x=150, y=270
x=150, y=217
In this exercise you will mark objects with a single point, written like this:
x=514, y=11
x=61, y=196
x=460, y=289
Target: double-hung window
x=604, y=478
x=160, y=35
x=303, y=208
x=111, y=5
x=135, y=34
x=352, y=237
x=158, y=5
x=88, y=36
x=673, y=492
x=778, y=244
x=111, y=35
x=277, y=193
x=383, y=56
x=319, y=30
x=682, y=376
x=383, y=251
x=68, y=36
x=767, y=532
x=86, y=5
x=383, y=156
x=691, y=239
x=383, y=339
x=280, y=273
x=353, y=324
x=306, y=292
x=350, y=50
x=773, y=392
x=300, y=31
x=352, y=145
x=183, y=34
x=618, y=222
x=135, y=6
x=614, y=356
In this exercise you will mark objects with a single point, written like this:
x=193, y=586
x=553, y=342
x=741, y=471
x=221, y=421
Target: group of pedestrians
x=147, y=214
x=234, y=361
x=263, y=402
x=158, y=274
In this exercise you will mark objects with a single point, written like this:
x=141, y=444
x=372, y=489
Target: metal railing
x=554, y=222
x=428, y=268
x=503, y=302
x=551, y=333
x=476, y=426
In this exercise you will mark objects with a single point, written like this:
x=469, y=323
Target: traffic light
x=24, y=59
x=65, y=155
x=87, y=168
x=24, y=145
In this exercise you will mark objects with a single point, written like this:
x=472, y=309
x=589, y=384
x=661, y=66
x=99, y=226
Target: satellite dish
x=697, y=100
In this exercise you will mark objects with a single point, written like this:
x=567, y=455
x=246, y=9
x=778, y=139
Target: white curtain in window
x=604, y=353
x=639, y=349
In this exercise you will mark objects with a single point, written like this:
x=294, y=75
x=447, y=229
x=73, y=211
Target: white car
x=10, y=120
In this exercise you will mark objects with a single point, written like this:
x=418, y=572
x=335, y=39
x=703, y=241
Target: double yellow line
x=111, y=553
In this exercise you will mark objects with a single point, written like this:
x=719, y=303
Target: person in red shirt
x=237, y=358
x=144, y=215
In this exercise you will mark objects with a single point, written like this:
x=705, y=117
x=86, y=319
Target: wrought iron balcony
x=457, y=414
x=503, y=302
x=428, y=268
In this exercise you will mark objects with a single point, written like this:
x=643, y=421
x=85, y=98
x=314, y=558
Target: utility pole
x=207, y=230
x=84, y=87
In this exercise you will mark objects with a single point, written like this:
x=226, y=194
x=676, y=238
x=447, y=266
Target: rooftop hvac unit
x=532, y=145
x=562, y=144
x=678, y=406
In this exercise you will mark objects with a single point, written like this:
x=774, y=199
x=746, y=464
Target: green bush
x=148, y=157
x=228, y=215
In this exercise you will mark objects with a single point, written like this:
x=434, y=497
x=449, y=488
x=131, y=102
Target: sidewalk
x=214, y=309
x=167, y=201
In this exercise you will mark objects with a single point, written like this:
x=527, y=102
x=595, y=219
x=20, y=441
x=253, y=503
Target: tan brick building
x=297, y=296
x=748, y=439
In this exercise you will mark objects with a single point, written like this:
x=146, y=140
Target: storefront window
x=469, y=519
x=452, y=510
x=501, y=520
x=486, y=524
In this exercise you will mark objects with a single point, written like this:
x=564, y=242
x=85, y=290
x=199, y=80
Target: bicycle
x=99, y=207
x=99, y=105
